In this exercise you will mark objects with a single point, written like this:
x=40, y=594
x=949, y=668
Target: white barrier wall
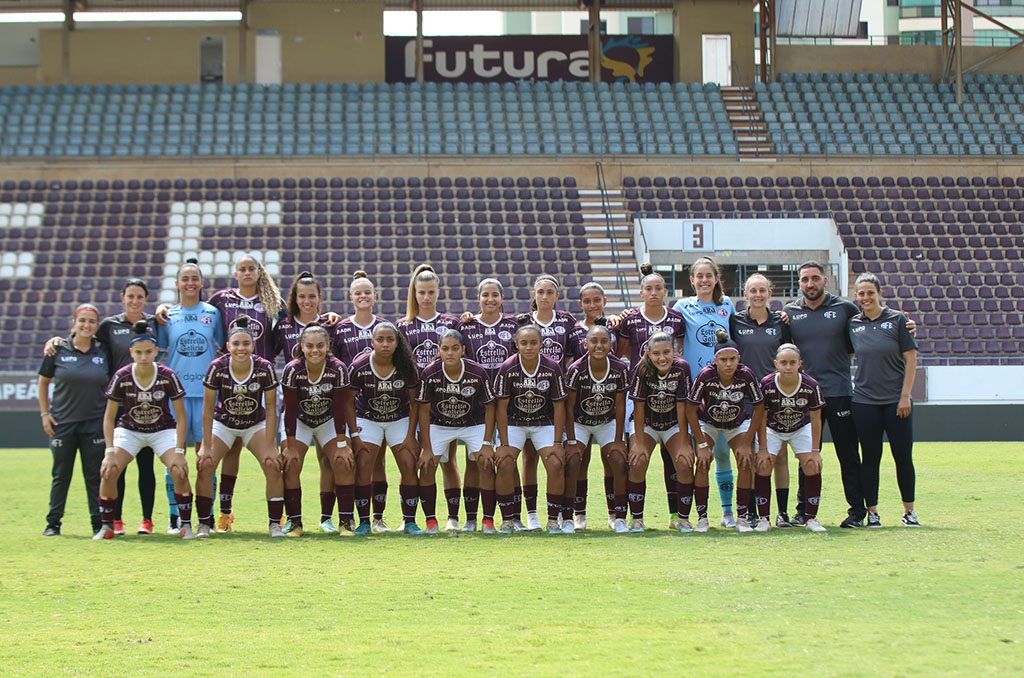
x=976, y=384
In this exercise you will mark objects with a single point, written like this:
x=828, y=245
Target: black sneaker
x=852, y=521
x=799, y=520
x=874, y=520
x=909, y=520
x=51, y=532
x=782, y=520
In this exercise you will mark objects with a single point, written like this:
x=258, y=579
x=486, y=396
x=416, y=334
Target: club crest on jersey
x=543, y=384
x=205, y=320
x=97, y=360
x=771, y=331
x=158, y=395
x=831, y=315
x=468, y=391
x=559, y=330
x=254, y=387
x=505, y=335
x=723, y=312
x=258, y=307
x=887, y=325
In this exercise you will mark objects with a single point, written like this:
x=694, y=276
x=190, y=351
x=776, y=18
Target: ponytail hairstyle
x=240, y=324
x=423, y=273
x=600, y=325
x=717, y=294
x=304, y=278
x=83, y=307
x=141, y=331
x=723, y=342
x=646, y=369
x=647, y=271
x=788, y=347
x=403, y=358
x=311, y=328
x=592, y=286
x=191, y=262
x=538, y=280
x=266, y=289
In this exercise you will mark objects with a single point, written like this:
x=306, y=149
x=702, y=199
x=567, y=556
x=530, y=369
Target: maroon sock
x=107, y=506
x=684, y=491
x=275, y=509
x=620, y=504
x=380, y=498
x=579, y=504
x=567, y=507
x=454, y=499
x=518, y=499
x=428, y=499
x=363, y=493
x=204, y=507
x=489, y=500
x=812, y=490
x=609, y=494
x=346, y=495
x=293, y=505
x=762, y=495
x=410, y=495
x=327, y=505
x=184, y=502
x=700, y=500
x=554, y=505
x=742, y=501
x=637, y=493
x=471, y=495
x=530, y=497
x=507, y=504
x=227, y=491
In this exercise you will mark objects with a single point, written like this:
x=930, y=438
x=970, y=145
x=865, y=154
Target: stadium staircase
x=747, y=122
x=609, y=233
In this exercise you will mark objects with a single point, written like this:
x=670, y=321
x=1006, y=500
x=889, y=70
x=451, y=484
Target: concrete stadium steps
x=602, y=248
x=747, y=122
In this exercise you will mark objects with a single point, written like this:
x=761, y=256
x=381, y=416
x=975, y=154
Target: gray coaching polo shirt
x=758, y=342
x=880, y=345
x=823, y=337
x=79, y=381
x=116, y=331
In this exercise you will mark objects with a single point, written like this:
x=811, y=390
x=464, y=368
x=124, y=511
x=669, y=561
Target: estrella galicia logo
x=192, y=344
x=626, y=57
x=706, y=333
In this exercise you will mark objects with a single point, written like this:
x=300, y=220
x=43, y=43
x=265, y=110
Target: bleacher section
x=64, y=243
x=363, y=119
x=947, y=249
x=893, y=114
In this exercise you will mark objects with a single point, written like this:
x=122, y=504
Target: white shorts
x=442, y=436
x=712, y=431
x=375, y=433
x=799, y=440
x=542, y=436
x=661, y=436
x=628, y=428
x=603, y=434
x=131, y=442
x=228, y=436
x=323, y=434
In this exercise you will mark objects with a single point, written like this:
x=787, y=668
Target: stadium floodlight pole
x=958, y=36
x=65, y=41
x=243, y=39
x=417, y=5
x=594, y=39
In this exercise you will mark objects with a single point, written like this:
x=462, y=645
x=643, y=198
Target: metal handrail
x=620, y=276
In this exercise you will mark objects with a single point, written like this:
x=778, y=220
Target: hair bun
x=241, y=321
x=359, y=274
x=524, y=319
x=646, y=269
x=721, y=334
x=306, y=275
x=601, y=320
x=140, y=327
x=191, y=260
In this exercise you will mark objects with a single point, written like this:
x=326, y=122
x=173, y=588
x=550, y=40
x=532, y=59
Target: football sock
x=812, y=487
x=763, y=494
x=380, y=498
x=637, y=493
x=471, y=496
x=227, y=492
x=454, y=498
x=346, y=495
x=685, y=493
x=724, y=480
x=293, y=505
x=428, y=500
x=327, y=504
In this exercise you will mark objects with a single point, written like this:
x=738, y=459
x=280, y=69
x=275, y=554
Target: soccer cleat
x=763, y=524
x=728, y=521
x=812, y=525
x=470, y=526
x=203, y=531
x=487, y=526
x=344, y=529
x=224, y=522
x=379, y=526
x=874, y=521
x=105, y=532
x=172, y=525
x=363, y=529
x=673, y=524
x=328, y=526
x=910, y=519
x=287, y=526
x=51, y=532
x=782, y=520
x=684, y=525
x=432, y=527
x=532, y=522
x=637, y=525
x=611, y=521
x=579, y=522
x=295, y=531
x=146, y=527
x=799, y=519
x=619, y=526
x=568, y=527
x=119, y=528
x=186, y=532
x=507, y=527
x=743, y=525
x=452, y=525
x=702, y=524
x=850, y=521
x=410, y=528
x=554, y=527
x=276, y=531
x=518, y=526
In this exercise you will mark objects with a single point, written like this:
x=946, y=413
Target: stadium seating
x=893, y=114
x=64, y=243
x=363, y=119
x=947, y=249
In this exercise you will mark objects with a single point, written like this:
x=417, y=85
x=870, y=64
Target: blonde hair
x=771, y=287
x=423, y=273
x=266, y=289
x=356, y=277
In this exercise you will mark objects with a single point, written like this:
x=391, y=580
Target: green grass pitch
x=947, y=599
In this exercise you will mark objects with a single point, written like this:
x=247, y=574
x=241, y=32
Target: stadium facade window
x=640, y=25
x=919, y=38
x=585, y=27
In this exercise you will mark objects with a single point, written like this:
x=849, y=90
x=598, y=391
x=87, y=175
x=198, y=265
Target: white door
x=716, y=51
x=268, y=58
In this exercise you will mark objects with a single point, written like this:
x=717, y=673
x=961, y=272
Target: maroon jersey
x=352, y=340
x=424, y=336
x=722, y=406
x=240, y=403
x=660, y=393
x=146, y=409
x=490, y=345
x=531, y=396
x=576, y=346
x=555, y=335
x=595, y=400
x=789, y=412
x=456, y=402
x=284, y=340
x=314, y=402
x=637, y=328
x=380, y=398
x=231, y=304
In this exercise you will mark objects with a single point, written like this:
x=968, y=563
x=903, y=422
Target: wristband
x=179, y=450
x=814, y=450
x=43, y=414
x=109, y=450
x=702, y=445
x=570, y=442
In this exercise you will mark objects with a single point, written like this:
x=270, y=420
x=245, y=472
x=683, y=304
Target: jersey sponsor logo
x=552, y=349
x=801, y=316
x=706, y=333
x=385, y=404
x=723, y=412
x=856, y=330
x=727, y=395
x=145, y=413
x=529, y=402
x=69, y=359
x=492, y=354
x=241, y=405
x=596, y=405
x=120, y=331
x=315, y=406
x=661, y=401
x=744, y=332
x=425, y=352
x=191, y=344
x=453, y=408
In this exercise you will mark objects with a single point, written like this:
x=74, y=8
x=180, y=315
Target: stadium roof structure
x=429, y=5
